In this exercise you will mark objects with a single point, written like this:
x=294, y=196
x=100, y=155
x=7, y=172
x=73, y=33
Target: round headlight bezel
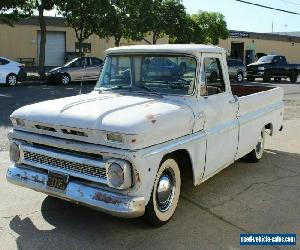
x=115, y=175
x=121, y=170
x=14, y=152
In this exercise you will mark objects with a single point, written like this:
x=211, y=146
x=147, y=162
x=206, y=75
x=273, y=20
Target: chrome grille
x=66, y=165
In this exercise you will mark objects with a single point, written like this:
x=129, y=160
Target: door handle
x=200, y=115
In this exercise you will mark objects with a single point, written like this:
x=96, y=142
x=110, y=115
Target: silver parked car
x=79, y=69
x=237, y=70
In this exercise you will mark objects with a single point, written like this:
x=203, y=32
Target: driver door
x=220, y=109
x=75, y=70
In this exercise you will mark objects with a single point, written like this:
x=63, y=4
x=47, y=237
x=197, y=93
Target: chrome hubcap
x=12, y=80
x=240, y=77
x=165, y=191
x=259, y=145
x=65, y=79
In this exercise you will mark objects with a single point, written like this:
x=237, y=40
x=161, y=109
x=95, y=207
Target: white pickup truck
x=156, y=111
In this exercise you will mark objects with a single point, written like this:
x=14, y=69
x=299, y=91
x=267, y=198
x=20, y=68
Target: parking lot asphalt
x=262, y=197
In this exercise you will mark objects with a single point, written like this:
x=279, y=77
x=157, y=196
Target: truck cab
x=156, y=112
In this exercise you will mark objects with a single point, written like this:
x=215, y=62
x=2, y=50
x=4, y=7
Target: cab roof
x=192, y=49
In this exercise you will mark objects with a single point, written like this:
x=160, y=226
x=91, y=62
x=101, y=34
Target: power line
x=268, y=7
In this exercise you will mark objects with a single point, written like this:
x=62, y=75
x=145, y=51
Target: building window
x=86, y=47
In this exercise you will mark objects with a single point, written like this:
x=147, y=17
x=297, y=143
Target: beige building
x=21, y=43
x=248, y=46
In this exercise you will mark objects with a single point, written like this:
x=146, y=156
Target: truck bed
x=244, y=90
x=259, y=105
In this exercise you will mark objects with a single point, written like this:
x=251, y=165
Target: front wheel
x=266, y=78
x=256, y=154
x=250, y=78
x=65, y=79
x=277, y=79
x=239, y=77
x=165, y=193
x=11, y=80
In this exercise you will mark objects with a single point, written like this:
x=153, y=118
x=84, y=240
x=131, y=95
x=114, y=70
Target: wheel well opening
x=269, y=127
x=184, y=161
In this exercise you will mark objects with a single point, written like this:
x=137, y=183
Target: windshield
x=266, y=59
x=158, y=73
x=75, y=61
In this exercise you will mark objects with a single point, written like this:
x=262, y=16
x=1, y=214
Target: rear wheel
x=256, y=154
x=165, y=193
x=11, y=79
x=294, y=77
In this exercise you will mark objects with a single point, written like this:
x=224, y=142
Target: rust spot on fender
x=151, y=118
x=106, y=199
x=137, y=176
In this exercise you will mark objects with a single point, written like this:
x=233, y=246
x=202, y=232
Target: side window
x=96, y=61
x=87, y=62
x=281, y=60
x=212, y=76
x=3, y=61
x=240, y=63
x=77, y=63
x=230, y=63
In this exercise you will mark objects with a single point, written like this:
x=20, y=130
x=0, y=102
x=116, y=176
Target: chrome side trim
x=96, y=198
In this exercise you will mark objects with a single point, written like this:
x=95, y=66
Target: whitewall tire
x=165, y=193
x=256, y=154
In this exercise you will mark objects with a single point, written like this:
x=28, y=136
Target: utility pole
x=272, y=27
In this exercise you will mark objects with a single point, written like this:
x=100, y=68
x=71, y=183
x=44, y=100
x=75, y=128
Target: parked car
x=122, y=148
x=271, y=66
x=78, y=69
x=11, y=72
x=236, y=69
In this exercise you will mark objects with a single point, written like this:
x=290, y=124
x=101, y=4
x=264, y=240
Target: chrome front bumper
x=96, y=198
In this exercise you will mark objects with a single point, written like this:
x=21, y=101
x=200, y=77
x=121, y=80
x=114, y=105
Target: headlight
x=115, y=175
x=119, y=174
x=18, y=122
x=261, y=68
x=14, y=152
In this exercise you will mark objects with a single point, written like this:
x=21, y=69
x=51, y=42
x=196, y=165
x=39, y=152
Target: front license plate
x=57, y=180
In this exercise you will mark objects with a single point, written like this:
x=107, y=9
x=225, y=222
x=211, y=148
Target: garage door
x=55, y=48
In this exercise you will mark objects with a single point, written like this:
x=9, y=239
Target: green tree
x=188, y=32
x=41, y=6
x=83, y=16
x=13, y=10
x=213, y=26
x=123, y=19
x=165, y=17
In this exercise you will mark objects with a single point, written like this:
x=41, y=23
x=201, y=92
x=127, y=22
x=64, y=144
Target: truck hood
x=142, y=121
x=258, y=64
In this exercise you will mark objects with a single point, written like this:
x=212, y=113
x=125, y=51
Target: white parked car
x=156, y=112
x=11, y=72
